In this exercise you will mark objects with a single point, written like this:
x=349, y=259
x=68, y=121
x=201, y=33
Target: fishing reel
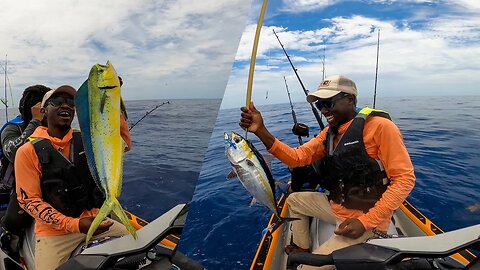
x=301, y=130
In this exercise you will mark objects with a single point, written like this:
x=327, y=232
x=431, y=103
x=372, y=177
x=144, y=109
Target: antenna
x=376, y=70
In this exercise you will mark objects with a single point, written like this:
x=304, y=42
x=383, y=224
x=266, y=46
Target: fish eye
x=237, y=140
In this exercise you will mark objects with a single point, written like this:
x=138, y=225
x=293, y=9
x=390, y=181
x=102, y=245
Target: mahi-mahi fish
x=98, y=103
x=252, y=170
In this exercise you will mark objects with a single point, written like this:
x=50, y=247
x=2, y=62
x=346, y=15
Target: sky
x=162, y=49
x=427, y=48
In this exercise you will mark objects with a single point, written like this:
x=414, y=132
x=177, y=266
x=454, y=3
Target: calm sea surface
x=168, y=148
x=443, y=138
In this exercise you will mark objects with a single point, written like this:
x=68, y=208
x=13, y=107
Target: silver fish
x=252, y=170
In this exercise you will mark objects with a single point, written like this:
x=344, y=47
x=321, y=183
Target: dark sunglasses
x=330, y=103
x=57, y=101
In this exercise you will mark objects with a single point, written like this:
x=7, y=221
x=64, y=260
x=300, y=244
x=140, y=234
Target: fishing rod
x=253, y=58
x=315, y=112
x=376, y=70
x=149, y=112
x=298, y=129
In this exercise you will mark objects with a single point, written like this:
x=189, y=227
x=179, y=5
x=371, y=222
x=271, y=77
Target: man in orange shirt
x=54, y=184
x=362, y=159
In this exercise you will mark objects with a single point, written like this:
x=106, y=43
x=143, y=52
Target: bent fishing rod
x=315, y=112
x=149, y=112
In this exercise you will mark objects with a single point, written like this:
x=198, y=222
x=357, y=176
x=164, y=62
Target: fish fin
x=102, y=102
x=249, y=162
x=253, y=202
x=117, y=209
x=232, y=174
x=268, y=160
x=274, y=226
x=104, y=211
x=284, y=219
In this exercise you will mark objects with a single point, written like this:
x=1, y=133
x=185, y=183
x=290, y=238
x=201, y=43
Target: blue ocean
x=168, y=148
x=441, y=133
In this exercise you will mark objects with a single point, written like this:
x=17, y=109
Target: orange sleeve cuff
x=364, y=220
x=73, y=224
x=274, y=147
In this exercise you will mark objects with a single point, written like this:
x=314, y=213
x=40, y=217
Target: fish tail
x=284, y=219
x=102, y=214
x=117, y=209
x=275, y=226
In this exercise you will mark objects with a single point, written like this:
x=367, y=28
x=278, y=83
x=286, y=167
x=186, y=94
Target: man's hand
x=36, y=114
x=251, y=119
x=351, y=228
x=85, y=223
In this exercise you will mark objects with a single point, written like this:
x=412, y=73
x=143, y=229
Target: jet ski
x=155, y=248
x=411, y=237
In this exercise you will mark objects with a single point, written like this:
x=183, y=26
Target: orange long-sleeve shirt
x=383, y=141
x=28, y=172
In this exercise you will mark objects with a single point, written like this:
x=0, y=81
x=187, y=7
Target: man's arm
x=303, y=155
x=29, y=194
x=251, y=120
x=396, y=160
x=12, y=138
x=125, y=132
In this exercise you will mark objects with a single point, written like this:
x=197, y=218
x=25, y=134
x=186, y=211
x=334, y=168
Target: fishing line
x=147, y=113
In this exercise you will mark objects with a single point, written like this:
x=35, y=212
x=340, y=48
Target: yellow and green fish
x=98, y=104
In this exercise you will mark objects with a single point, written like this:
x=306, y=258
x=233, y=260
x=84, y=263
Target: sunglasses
x=329, y=103
x=57, y=101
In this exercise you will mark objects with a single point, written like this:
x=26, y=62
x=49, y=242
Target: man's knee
x=293, y=201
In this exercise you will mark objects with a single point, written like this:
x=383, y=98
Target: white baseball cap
x=331, y=86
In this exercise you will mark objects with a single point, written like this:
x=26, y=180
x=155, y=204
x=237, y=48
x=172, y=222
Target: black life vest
x=7, y=172
x=67, y=186
x=352, y=177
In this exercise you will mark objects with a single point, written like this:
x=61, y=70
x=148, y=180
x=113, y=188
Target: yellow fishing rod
x=254, y=53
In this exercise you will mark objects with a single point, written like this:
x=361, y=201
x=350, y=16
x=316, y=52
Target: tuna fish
x=98, y=109
x=252, y=170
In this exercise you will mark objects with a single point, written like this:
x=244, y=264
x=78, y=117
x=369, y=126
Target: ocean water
x=441, y=133
x=163, y=165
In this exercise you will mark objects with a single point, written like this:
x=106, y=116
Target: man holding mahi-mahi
x=361, y=158
x=54, y=184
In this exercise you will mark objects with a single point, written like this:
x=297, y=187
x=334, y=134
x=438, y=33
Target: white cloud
x=297, y=6
x=162, y=49
x=468, y=3
x=440, y=58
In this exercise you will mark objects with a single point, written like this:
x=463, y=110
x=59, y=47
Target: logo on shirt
x=350, y=143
